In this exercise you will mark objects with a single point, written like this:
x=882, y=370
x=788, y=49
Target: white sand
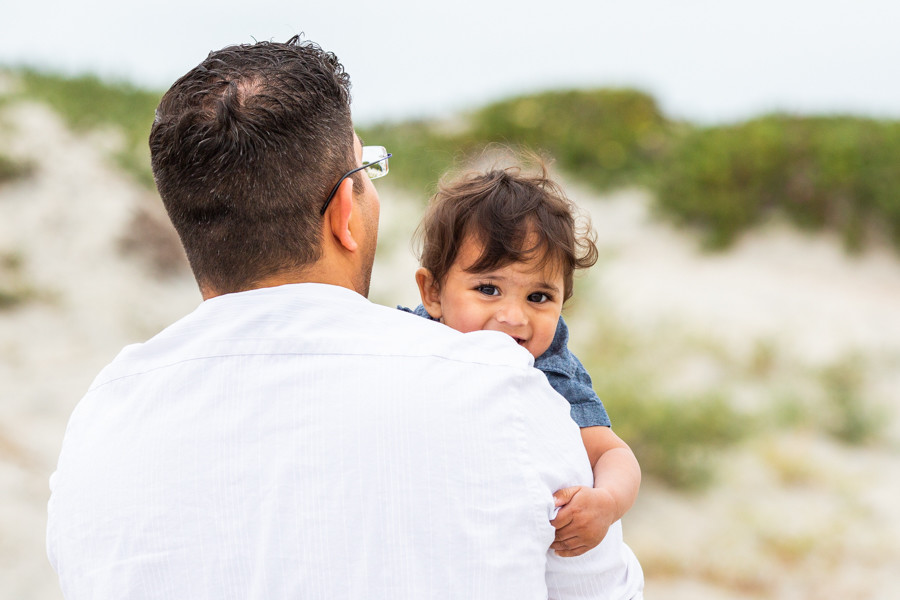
x=65, y=222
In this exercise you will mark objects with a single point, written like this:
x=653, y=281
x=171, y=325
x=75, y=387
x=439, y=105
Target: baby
x=499, y=251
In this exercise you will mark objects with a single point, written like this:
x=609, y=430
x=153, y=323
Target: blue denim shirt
x=565, y=373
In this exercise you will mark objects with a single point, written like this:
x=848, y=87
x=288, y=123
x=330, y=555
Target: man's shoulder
x=310, y=319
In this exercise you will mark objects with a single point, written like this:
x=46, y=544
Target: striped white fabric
x=302, y=442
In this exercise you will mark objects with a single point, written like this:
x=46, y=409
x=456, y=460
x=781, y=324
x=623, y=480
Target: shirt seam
x=526, y=451
x=346, y=354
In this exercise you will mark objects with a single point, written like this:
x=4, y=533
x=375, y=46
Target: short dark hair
x=245, y=147
x=512, y=215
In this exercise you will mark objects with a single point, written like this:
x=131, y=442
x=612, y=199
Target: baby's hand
x=583, y=520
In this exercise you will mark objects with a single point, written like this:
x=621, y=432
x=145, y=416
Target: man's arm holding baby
x=586, y=513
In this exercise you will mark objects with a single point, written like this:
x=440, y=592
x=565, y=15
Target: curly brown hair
x=513, y=215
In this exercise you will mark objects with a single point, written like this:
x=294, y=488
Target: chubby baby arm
x=587, y=513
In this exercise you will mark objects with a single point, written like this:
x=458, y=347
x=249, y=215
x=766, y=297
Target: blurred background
x=739, y=161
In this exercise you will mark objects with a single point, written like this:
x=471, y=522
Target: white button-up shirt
x=302, y=442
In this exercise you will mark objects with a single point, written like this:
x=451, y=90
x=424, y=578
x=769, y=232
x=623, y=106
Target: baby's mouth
x=519, y=341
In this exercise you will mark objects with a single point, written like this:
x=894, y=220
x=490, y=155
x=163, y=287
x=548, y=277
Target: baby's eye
x=538, y=297
x=488, y=290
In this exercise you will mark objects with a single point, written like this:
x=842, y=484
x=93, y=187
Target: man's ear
x=339, y=213
x=430, y=292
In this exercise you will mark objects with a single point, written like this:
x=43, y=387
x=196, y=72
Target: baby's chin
x=535, y=354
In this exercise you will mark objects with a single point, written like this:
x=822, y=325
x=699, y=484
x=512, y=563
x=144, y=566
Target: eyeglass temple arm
x=346, y=175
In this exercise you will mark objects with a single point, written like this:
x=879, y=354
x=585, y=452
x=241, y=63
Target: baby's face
x=519, y=299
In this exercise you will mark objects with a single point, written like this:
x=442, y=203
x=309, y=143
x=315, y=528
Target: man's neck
x=318, y=273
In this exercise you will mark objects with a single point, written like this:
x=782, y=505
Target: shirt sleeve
x=571, y=380
x=555, y=451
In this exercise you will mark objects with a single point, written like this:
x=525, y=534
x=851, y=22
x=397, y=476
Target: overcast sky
x=709, y=61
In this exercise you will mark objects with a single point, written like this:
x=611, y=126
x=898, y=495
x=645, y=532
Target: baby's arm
x=587, y=513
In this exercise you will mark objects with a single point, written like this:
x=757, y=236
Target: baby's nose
x=512, y=314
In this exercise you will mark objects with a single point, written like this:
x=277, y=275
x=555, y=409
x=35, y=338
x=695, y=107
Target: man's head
x=499, y=251
x=245, y=149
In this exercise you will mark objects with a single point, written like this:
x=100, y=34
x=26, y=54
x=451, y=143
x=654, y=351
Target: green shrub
x=819, y=172
x=14, y=290
x=11, y=169
x=835, y=172
x=675, y=439
x=87, y=102
x=421, y=153
x=848, y=414
x=606, y=137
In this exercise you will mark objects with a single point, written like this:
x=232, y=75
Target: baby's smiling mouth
x=519, y=341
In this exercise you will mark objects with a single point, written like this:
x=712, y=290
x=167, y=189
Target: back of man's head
x=245, y=147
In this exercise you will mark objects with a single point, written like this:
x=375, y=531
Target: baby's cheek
x=543, y=339
x=458, y=321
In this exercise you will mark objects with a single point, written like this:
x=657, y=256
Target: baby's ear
x=430, y=292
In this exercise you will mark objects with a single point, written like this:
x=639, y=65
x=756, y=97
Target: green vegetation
x=421, y=153
x=676, y=436
x=605, y=137
x=680, y=428
x=86, y=102
x=849, y=416
x=14, y=291
x=818, y=172
x=11, y=169
x=836, y=173
x=833, y=400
